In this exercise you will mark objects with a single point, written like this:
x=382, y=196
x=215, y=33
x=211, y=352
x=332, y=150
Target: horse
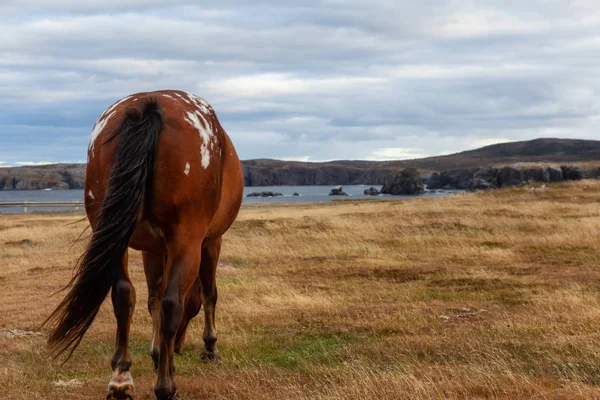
x=163, y=177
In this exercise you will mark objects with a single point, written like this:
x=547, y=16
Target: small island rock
x=337, y=191
x=407, y=182
x=264, y=194
x=371, y=192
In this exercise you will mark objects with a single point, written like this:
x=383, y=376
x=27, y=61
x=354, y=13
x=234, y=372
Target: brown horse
x=163, y=177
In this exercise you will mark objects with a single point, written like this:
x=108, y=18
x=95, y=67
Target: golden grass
x=482, y=296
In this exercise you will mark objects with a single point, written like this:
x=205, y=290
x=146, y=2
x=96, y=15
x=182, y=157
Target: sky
x=305, y=80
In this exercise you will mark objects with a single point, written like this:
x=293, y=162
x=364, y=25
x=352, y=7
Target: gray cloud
x=311, y=80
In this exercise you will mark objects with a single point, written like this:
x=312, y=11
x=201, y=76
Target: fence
x=26, y=204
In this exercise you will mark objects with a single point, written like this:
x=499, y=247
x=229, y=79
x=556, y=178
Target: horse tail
x=129, y=187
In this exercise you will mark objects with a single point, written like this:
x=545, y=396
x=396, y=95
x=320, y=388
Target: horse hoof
x=120, y=387
x=160, y=395
x=172, y=397
x=120, y=393
x=210, y=355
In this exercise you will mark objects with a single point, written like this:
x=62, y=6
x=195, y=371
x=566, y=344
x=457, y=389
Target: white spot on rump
x=98, y=128
x=182, y=98
x=187, y=169
x=91, y=195
x=202, y=105
x=170, y=97
x=205, y=132
x=101, y=123
x=111, y=108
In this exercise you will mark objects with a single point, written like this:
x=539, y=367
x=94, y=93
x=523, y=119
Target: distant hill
x=544, y=151
x=532, y=151
x=265, y=172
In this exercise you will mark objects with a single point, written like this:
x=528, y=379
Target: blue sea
x=308, y=194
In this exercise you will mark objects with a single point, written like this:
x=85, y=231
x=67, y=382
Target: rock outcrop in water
x=371, y=192
x=264, y=194
x=406, y=182
x=338, y=191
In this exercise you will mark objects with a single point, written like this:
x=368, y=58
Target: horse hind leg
x=192, y=308
x=123, y=299
x=208, y=269
x=180, y=275
x=154, y=266
x=203, y=291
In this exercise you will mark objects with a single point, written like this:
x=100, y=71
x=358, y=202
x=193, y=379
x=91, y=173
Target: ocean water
x=308, y=194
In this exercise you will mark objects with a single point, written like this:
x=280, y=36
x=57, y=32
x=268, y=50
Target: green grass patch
x=241, y=262
x=292, y=352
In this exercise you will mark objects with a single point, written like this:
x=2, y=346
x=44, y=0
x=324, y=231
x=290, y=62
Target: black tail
x=129, y=184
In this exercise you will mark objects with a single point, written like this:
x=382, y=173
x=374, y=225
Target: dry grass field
x=480, y=296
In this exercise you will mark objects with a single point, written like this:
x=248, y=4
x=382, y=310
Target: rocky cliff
x=499, y=177
x=56, y=176
x=274, y=173
x=474, y=169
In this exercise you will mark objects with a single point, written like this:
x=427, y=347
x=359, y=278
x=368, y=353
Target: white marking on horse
x=101, y=123
x=187, y=169
x=120, y=379
x=136, y=99
x=170, y=97
x=91, y=195
x=202, y=105
x=182, y=98
x=111, y=108
x=205, y=132
x=98, y=127
x=198, y=99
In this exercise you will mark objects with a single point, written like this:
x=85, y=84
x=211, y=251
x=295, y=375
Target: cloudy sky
x=305, y=80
